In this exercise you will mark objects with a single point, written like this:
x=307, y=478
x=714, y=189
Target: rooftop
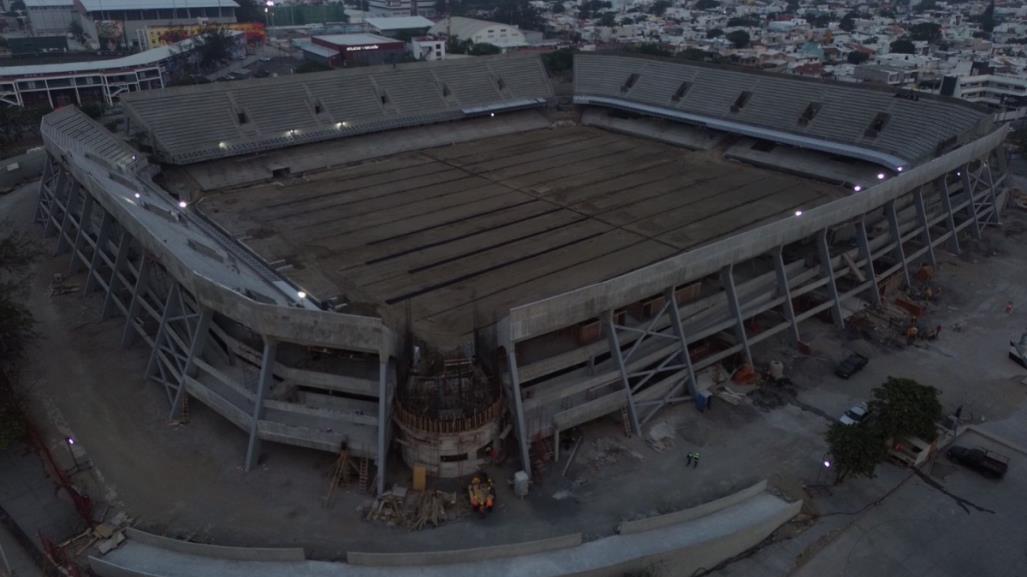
x=355, y=39
x=399, y=22
x=455, y=236
x=107, y=5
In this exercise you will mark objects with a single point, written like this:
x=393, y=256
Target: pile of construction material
x=415, y=510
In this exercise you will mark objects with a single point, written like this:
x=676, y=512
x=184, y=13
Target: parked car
x=855, y=414
x=852, y=364
x=987, y=463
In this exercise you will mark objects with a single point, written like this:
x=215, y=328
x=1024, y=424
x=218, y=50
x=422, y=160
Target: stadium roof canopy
x=884, y=126
x=108, y=5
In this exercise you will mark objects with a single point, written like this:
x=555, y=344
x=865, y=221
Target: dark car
x=985, y=462
x=852, y=364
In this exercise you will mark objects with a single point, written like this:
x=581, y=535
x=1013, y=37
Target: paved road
x=14, y=559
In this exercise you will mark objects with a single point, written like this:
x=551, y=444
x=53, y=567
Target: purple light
x=857, y=188
x=69, y=440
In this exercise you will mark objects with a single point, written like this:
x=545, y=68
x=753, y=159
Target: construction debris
x=415, y=510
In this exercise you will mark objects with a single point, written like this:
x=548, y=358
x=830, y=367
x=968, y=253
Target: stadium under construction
x=448, y=252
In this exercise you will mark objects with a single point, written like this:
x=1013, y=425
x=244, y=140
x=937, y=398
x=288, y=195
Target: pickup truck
x=987, y=463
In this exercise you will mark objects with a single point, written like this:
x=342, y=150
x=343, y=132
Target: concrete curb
x=462, y=555
x=708, y=508
x=218, y=551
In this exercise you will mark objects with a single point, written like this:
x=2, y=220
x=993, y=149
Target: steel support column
x=868, y=256
x=824, y=250
x=101, y=242
x=83, y=223
x=950, y=215
x=785, y=291
x=169, y=311
x=113, y=284
x=129, y=335
x=383, y=420
x=522, y=430
x=677, y=325
x=618, y=356
x=267, y=361
x=62, y=233
x=58, y=183
x=921, y=213
x=992, y=193
x=968, y=188
x=896, y=237
x=727, y=279
x=195, y=350
x=45, y=179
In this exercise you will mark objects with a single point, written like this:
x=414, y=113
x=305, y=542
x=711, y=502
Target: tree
x=902, y=46
x=308, y=66
x=818, y=19
x=857, y=57
x=217, y=48
x=906, y=408
x=76, y=30
x=740, y=38
x=707, y=5
x=714, y=33
x=695, y=54
x=484, y=49
x=248, y=11
x=925, y=5
x=737, y=21
x=652, y=49
x=926, y=31
x=988, y=18
x=558, y=8
x=793, y=6
x=848, y=23
x=17, y=252
x=659, y=7
x=559, y=61
x=856, y=450
x=17, y=6
x=608, y=19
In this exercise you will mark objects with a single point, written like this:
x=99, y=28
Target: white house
x=481, y=31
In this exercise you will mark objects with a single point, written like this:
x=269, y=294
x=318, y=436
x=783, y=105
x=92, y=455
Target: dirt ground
x=187, y=480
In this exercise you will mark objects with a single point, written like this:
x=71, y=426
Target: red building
x=354, y=49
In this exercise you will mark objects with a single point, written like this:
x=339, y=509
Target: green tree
x=793, y=6
x=902, y=46
x=558, y=8
x=659, y=7
x=608, y=19
x=308, y=66
x=249, y=11
x=925, y=5
x=748, y=20
x=559, y=61
x=906, y=408
x=818, y=19
x=714, y=33
x=740, y=38
x=856, y=450
x=988, y=18
x=848, y=23
x=926, y=31
x=653, y=49
x=857, y=57
x=216, y=49
x=17, y=6
x=695, y=54
x=17, y=252
x=484, y=49
x=707, y=5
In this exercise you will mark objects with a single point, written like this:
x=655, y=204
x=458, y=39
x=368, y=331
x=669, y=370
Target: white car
x=855, y=414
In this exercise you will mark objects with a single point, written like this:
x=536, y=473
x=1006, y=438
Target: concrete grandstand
x=293, y=245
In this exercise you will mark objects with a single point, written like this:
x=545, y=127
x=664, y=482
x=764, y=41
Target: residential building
x=481, y=31
x=401, y=8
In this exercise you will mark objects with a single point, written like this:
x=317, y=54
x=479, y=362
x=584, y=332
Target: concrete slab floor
x=187, y=480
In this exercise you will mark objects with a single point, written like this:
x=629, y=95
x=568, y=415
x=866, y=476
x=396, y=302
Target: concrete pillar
x=727, y=279
x=267, y=361
x=868, y=256
x=618, y=356
x=522, y=430
x=195, y=350
x=921, y=213
x=824, y=250
x=129, y=335
x=950, y=215
x=383, y=420
x=896, y=237
x=785, y=291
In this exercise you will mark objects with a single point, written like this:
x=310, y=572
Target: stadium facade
x=288, y=250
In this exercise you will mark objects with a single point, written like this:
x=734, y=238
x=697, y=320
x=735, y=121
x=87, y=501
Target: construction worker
x=695, y=460
x=688, y=461
x=1009, y=307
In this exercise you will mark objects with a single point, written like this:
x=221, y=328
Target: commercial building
x=325, y=253
x=336, y=50
x=996, y=90
x=480, y=32
x=428, y=48
x=96, y=81
x=50, y=17
x=403, y=27
x=401, y=8
x=112, y=23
